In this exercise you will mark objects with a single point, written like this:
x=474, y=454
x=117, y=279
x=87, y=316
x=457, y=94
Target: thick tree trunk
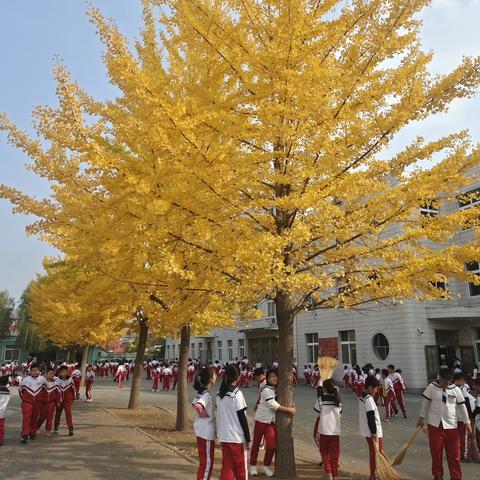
x=137, y=371
x=285, y=457
x=182, y=386
x=83, y=365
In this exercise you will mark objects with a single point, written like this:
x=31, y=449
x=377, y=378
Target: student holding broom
x=444, y=405
x=327, y=428
x=369, y=421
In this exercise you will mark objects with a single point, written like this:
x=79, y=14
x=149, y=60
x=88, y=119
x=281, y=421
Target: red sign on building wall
x=328, y=347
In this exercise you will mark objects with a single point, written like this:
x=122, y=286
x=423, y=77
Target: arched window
x=381, y=347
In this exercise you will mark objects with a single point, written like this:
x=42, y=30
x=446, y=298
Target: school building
x=416, y=337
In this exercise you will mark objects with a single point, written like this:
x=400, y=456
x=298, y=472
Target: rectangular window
x=271, y=309
x=168, y=352
x=200, y=348
x=193, y=350
x=474, y=268
x=219, y=348
x=469, y=199
x=12, y=354
x=230, y=350
x=429, y=210
x=174, y=349
x=348, y=346
x=241, y=347
x=311, y=342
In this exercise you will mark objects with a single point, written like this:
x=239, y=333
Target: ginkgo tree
x=245, y=157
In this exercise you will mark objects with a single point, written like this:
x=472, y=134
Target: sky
x=33, y=32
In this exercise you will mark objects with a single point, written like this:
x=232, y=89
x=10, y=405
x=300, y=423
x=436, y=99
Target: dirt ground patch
x=160, y=423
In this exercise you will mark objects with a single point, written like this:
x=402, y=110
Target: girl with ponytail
x=204, y=424
x=328, y=428
x=232, y=426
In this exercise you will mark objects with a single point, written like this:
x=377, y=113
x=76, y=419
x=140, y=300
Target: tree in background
x=7, y=313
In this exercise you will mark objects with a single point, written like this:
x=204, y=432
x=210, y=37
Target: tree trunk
x=83, y=365
x=137, y=371
x=182, y=386
x=285, y=456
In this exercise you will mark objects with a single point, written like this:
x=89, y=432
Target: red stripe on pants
x=399, y=396
x=371, y=449
x=67, y=406
x=441, y=439
x=2, y=430
x=330, y=452
x=206, y=455
x=234, y=462
x=30, y=415
x=268, y=431
x=389, y=401
x=88, y=389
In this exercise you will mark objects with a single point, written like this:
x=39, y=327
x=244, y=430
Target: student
x=359, y=383
x=77, y=380
x=32, y=391
x=4, y=399
x=459, y=381
x=388, y=394
x=67, y=395
x=369, y=421
x=476, y=412
x=89, y=379
x=204, y=425
x=444, y=406
x=167, y=375
x=307, y=374
x=157, y=375
x=398, y=387
x=121, y=375
x=52, y=399
x=326, y=432
x=232, y=426
x=260, y=377
x=265, y=413
x=346, y=376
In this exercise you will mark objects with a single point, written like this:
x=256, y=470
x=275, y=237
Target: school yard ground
x=110, y=443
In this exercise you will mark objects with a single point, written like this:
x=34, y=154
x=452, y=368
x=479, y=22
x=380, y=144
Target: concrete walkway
x=103, y=447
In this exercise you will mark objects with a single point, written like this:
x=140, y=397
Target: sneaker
x=24, y=439
x=55, y=431
x=395, y=414
x=387, y=420
x=268, y=471
x=33, y=436
x=253, y=471
x=404, y=415
x=70, y=432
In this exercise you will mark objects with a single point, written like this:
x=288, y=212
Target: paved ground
x=104, y=448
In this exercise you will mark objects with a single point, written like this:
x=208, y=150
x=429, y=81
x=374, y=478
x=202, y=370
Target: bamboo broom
x=327, y=366
x=400, y=456
x=385, y=471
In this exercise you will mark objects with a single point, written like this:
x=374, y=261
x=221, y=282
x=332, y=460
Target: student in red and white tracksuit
x=326, y=432
x=307, y=374
x=77, y=380
x=190, y=372
x=157, y=375
x=315, y=378
x=166, y=375
x=204, y=424
x=398, y=387
x=370, y=425
x=232, y=427
x=32, y=390
x=388, y=394
x=174, y=375
x=52, y=399
x=264, y=426
x=67, y=395
x=346, y=376
x=121, y=375
x=4, y=399
x=443, y=404
x=89, y=379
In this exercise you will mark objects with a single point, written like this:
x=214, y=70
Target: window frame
x=350, y=344
x=473, y=290
x=220, y=350
x=230, y=350
x=312, y=348
x=376, y=348
x=11, y=349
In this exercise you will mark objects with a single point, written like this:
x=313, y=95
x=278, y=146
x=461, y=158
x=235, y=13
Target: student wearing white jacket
x=4, y=399
x=204, y=424
x=267, y=407
x=328, y=427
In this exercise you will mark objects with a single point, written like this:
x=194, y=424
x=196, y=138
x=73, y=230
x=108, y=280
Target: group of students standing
x=45, y=397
